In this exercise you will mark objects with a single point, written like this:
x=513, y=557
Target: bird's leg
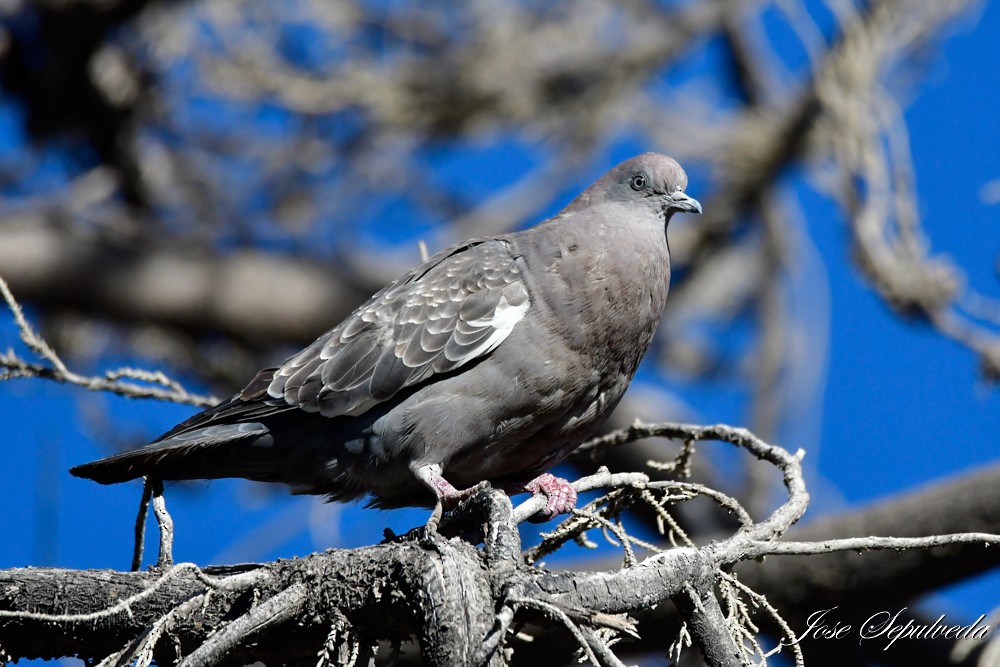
x=559, y=494
x=447, y=495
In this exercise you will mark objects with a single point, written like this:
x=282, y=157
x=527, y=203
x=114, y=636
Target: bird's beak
x=681, y=202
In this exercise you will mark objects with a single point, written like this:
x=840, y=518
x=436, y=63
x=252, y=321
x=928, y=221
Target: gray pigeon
x=489, y=362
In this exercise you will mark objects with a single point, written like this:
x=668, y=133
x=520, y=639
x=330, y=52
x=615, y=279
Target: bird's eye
x=638, y=182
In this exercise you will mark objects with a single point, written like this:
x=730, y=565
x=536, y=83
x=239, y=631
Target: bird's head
x=651, y=179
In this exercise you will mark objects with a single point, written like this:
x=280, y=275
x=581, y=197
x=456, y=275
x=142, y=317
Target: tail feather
x=228, y=450
x=227, y=440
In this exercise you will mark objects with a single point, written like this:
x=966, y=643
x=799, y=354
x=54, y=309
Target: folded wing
x=457, y=307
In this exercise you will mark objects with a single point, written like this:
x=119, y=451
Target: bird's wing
x=458, y=306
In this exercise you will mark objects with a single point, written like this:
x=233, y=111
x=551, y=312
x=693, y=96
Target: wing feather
x=348, y=371
x=456, y=307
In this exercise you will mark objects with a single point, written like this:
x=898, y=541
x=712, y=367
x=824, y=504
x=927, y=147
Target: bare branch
x=282, y=608
x=12, y=366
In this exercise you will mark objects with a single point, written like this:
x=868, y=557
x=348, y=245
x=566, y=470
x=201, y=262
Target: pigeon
x=488, y=363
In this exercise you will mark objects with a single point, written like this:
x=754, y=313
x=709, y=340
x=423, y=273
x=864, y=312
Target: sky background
x=899, y=406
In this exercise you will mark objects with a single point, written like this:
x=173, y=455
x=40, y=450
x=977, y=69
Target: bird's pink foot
x=451, y=498
x=448, y=497
x=560, y=497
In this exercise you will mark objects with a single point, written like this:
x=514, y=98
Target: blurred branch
x=863, y=133
x=965, y=502
x=565, y=82
x=249, y=295
x=62, y=67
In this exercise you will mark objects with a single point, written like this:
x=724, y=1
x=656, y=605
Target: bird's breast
x=603, y=294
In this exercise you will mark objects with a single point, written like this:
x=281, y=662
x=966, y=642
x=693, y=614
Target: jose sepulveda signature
x=890, y=627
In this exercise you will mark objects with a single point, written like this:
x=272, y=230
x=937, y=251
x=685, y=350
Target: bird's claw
x=559, y=494
x=449, y=499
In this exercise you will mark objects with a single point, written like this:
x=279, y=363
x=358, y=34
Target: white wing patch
x=504, y=318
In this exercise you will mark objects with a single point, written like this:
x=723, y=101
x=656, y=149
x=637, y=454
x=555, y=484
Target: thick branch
x=436, y=591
